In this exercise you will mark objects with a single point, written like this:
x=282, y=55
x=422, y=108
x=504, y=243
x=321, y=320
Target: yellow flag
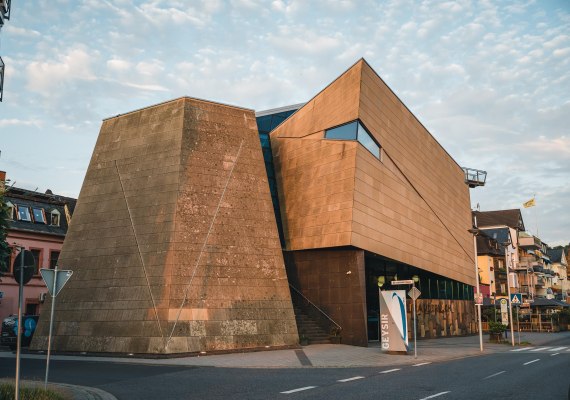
x=530, y=203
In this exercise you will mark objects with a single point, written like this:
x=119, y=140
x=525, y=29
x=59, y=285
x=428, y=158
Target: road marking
x=498, y=373
x=435, y=395
x=350, y=379
x=541, y=348
x=390, y=370
x=420, y=364
x=555, y=354
x=299, y=389
x=558, y=348
x=523, y=348
x=530, y=362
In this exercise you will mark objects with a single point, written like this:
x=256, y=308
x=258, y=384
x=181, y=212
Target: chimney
x=2, y=177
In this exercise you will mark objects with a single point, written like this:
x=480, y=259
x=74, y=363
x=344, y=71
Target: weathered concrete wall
x=173, y=242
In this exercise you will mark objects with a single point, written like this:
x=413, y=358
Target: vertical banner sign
x=504, y=312
x=393, y=321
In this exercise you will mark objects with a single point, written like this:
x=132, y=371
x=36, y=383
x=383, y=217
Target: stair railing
x=335, y=331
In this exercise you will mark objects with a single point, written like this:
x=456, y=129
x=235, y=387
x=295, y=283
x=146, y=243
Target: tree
x=4, y=248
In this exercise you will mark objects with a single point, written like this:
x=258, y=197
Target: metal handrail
x=317, y=307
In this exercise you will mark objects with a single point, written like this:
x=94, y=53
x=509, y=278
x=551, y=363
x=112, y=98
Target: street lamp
x=479, y=302
x=508, y=268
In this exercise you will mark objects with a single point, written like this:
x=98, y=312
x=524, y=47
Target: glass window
x=38, y=259
x=10, y=210
x=54, y=218
x=367, y=141
x=53, y=257
x=344, y=132
x=24, y=214
x=39, y=215
x=264, y=123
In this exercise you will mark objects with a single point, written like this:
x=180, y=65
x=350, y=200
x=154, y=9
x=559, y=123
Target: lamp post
x=416, y=279
x=508, y=268
x=474, y=231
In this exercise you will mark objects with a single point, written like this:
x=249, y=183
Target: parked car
x=9, y=334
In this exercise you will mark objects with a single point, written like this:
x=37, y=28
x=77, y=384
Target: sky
x=489, y=79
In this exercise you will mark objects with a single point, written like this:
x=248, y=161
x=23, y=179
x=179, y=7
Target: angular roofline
x=176, y=99
x=291, y=107
x=410, y=111
x=389, y=88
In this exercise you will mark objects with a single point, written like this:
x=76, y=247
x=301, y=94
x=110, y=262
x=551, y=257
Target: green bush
x=497, y=327
x=7, y=393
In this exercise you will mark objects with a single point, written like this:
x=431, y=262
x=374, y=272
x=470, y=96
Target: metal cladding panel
x=410, y=205
x=173, y=243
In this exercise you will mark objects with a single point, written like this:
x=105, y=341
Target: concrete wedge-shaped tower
x=173, y=243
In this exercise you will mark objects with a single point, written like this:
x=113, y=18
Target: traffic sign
x=516, y=299
x=62, y=278
x=29, y=266
x=414, y=293
x=404, y=282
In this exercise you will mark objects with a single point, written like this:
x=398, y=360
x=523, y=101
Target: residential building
x=38, y=222
x=190, y=232
x=534, y=257
x=504, y=226
x=491, y=264
x=560, y=284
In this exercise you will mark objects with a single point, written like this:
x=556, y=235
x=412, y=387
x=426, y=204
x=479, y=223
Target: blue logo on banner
x=402, y=316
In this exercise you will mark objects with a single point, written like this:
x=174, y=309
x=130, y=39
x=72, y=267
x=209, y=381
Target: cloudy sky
x=490, y=80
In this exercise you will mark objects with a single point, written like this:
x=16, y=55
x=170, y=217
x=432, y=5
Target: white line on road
x=530, y=362
x=350, y=379
x=435, y=395
x=420, y=364
x=498, y=373
x=555, y=354
x=541, y=349
x=299, y=389
x=523, y=348
x=558, y=348
x=390, y=370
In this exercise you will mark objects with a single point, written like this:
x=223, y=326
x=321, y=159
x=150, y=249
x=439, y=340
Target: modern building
x=38, y=222
x=197, y=222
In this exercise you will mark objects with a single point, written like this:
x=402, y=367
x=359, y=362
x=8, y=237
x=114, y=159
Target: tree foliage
x=4, y=248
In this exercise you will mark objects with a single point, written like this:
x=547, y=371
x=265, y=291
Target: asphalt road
x=535, y=373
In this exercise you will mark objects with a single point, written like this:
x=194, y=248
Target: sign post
x=516, y=300
x=24, y=266
x=414, y=293
x=55, y=280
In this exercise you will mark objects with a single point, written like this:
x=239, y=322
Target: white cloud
x=15, y=122
x=44, y=76
x=119, y=65
x=12, y=30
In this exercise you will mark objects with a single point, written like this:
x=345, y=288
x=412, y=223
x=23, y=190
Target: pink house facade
x=38, y=222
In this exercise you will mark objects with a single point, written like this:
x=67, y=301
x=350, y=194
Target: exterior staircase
x=309, y=329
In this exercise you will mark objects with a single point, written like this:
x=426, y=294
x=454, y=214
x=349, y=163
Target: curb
x=77, y=392
x=86, y=393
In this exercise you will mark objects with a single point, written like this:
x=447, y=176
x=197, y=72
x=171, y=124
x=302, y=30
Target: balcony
x=474, y=177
